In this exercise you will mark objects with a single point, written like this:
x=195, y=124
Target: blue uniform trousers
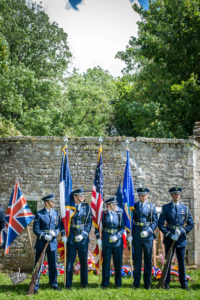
x=83, y=258
x=117, y=253
x=52, y=260
x=180, y=254
x=139, y=246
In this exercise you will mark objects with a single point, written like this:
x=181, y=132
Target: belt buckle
x=112, y=231
x=141, y=224
x=174, y=227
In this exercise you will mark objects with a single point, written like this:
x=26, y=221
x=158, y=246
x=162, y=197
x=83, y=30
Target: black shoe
x=147, y=287
x=57, y=288
x=167, y=287
x=104, y=287
x=136, y=286
x=84, y=286
x=118, y=286
x=185, y=287
x=68, y=287
x=35, y=291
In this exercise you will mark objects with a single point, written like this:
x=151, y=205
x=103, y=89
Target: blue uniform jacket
x=81, y=223
x=173, y=220
x=116, y=226
x=145, y=219
x=2, y=219
x=43, y=223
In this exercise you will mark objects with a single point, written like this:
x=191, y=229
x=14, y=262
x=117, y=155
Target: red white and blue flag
x=66, y=206
x=97, y=202
x=18, y=217
x=120, y=204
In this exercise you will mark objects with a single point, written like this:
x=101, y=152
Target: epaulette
x=119, y=210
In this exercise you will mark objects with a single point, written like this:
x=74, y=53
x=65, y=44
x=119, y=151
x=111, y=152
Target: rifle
x=37, y=270
x=161, y=283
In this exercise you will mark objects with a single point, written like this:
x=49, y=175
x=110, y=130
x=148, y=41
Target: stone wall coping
x=190, y=141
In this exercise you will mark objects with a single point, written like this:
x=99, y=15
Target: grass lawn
x=9, y=291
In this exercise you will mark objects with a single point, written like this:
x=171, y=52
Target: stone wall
x=155, y=163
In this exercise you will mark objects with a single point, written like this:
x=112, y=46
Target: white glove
x=144, y=234
x=64, y=239
x=113, y=239
x=129, y=239
x=177, y=232
x=48, y=237
x=78, y=238
x=99, y=243
x=174, y=237
x=52, y=233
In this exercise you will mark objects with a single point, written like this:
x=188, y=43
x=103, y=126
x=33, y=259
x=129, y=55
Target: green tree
x=33, y=40
x=165, y=62
x=3, y=51
x=31, y=104
x=33, y=55
x=88, y=101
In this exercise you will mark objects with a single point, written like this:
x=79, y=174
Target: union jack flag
x=66, y=207
x=18, y=216
x=97, y=202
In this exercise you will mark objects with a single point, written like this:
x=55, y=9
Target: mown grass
x=9, y=291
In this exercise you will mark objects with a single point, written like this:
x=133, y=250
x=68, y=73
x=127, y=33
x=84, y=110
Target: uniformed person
x=2, y=219
x=78, y=239
x=47, y=226
x=176, y=214
x=111, y=243
x=145, y=220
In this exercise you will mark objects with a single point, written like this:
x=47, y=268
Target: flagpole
x=131, y=259
x=65, y=244
x=100, y=266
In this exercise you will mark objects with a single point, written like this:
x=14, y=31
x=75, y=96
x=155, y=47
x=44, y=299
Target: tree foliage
x=33, y=40
x=89, y=98
x=164, y=61
x=33, y=54
x=3, y=51
x=28, y=102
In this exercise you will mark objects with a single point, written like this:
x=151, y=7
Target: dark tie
x=176, y=208
x=50, y=216
x=141, y=205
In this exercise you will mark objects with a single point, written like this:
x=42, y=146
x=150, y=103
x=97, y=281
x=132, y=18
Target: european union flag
x=128, y=195
x=119, y=197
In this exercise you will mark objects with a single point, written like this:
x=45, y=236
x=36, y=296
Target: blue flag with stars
x=128, y=195
x=119, y=197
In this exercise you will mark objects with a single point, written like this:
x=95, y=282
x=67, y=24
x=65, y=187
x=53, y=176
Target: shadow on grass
x=21, y=288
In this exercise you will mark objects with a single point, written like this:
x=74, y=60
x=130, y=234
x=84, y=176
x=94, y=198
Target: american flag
x=66, y=207
x=97, y=202
x=18, y=216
